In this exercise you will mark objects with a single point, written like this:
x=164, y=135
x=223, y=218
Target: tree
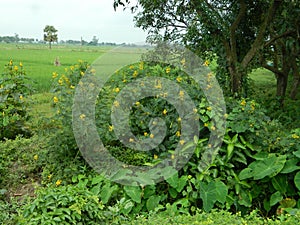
x=50, y=34
x=235, y=30
x=283, y=48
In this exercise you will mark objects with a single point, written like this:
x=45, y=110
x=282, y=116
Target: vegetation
x=49, y=162
x=50, y=34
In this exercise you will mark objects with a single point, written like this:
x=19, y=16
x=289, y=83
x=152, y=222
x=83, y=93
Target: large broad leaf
x=275, y=198
x=221, y=191
x=152, y=202
x=106, y=192
x=270, y=166
x=297, y=180
x=208, y=195
x=246, y=173
x=134, y=192
x=280, y=183
x=290, y=166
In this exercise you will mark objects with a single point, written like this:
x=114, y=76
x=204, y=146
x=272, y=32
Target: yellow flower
x=21, y=64
x=213, y=128
x=183, y=61
x=158, y=84
x=54, y=75
x=205, y=124
x=131, y=67
x=209, y=145
x=131, y=140
x=145, y=134
x=10, y=62
x=181, y=94
x=117, y=90
x=178, y=134
x=72, y=68
x=168, y=69
x=155, y=156
x=195, y=110
x=243, y=102
x=165, y=112
x=111, y=128
x=55, y=99
x=58, y=182
x=93, y=71
x=124, y=81
x=172, y=156
x=16, y=68
x=116, y=104
x=295, y=136
x=208, y=108
x=135, y=73
x=179, y=119
x=82, y=116
x=179, y=79
x=137, y=103
x=82, y=73
x=35, y=157
x=141, y=66
x=225, y=115
x=50, y=176
x=72, y=87
x=182, y=142
x=60, y=81
x=206, y=63
x=151, y=135
x=21, y=97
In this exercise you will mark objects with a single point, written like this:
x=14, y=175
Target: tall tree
x=281, y=53
x=50, y=34
x=235, y=30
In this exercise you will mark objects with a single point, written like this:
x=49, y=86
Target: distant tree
x=50, y=34
x=94, y=41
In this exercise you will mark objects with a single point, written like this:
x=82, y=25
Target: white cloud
x=72, y=19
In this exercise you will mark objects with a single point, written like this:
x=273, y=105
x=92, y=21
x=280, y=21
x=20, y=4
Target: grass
x=38, y=60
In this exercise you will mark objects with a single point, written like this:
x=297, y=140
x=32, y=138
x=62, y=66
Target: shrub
x=14, y=89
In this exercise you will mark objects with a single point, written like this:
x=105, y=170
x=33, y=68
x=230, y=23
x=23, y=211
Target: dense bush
x=236, y=180
x=14, y=89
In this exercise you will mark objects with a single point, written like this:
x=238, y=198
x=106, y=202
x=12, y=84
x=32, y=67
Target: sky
x=72, y=18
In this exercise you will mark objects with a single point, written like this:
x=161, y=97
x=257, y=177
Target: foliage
x=14, y=90
x=217, y=27
x=50, y=34
x=64, y=88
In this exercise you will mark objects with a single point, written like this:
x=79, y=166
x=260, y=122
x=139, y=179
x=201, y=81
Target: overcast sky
x=72, y=18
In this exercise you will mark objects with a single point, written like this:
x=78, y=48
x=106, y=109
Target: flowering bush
x=63, y=87
x=14, y=89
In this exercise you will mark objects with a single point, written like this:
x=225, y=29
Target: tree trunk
x=50, y=44
x=296, y=79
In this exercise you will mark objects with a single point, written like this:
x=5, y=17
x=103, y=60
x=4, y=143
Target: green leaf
x=246, y=173
x=134, y=192
x=106, y=192
x=246, y=198
x=297, y=180
x=290, y=166
x=221, y=191
x=275, y=198
x=297, y=153
x=152, y=202
x=173, y=181
x=267, y=167
x=208, y=195
x=280, y=183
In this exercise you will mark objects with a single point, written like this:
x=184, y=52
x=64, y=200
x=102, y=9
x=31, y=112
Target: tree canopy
x=50, y=34
x=237, y=31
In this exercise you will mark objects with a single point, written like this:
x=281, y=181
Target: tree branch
x=273, y=39
x=234, y=27
x=257, y=44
